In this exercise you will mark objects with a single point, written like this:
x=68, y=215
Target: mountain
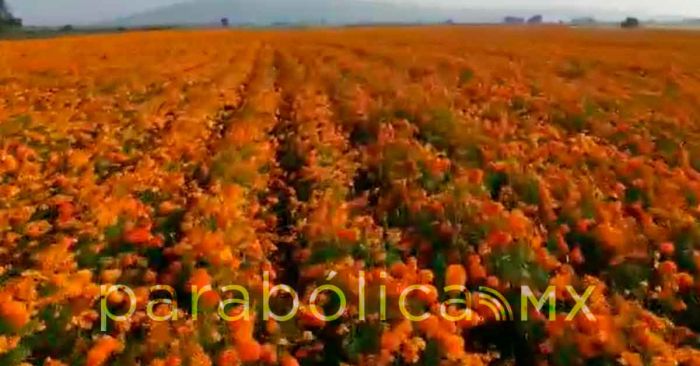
x=266, y=12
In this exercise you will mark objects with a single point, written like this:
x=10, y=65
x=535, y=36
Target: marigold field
x=477, y=156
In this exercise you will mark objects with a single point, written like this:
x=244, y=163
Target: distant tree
x=224, y=22
x=6, y=18
x=513, y=20
x=583, y=21
x=537, y=19
x=450, y=22
x=67, y=28
x=630, y=22
x=4, y=12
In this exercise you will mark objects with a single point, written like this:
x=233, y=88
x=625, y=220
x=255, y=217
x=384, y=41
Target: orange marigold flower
x=272, y=327
x=404, y=328
x=667, y=248
x=685, y=281
x=390, y=341
x=498, y=238
x=668, y=267
x=583, y=225
x=493, y=282
x=229, y=357
x=430, y=326
x=455, y=275
x=268, y=354
x=631, y=359
x=102, y=350
x=167, y=207
x=517, y=222
x=610, y=235
x=476, y=270
x=249, y=350
x=52, y=362
x=454, y=346
x=65, y=211
x=577, y=256
x=14, y=313
x=140, y=235
x=430, y=297
x=309, y=320
x=173, y=361
x=398, y=269
x=241, y=328
x=426, y=276
x=200, y=279
x=37, y=229
x=349, y=235
x=289, y=360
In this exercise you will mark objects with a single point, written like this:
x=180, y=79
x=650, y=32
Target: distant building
x=630, y=22
x=537, y=19
x=513, y=20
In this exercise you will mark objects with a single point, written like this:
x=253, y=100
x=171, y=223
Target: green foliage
x=170, y=226
x=528, y=189
x=431, y=355
x=573, y=123
x=495, y=182
x=629, y=276
x=364, y=339
x=327, y=253
x=230, y=166
x=15, y=125
x=572, y=69
x=466, y=76
x=15, y=356
x=440, y=128
x=686, y=242
x=517, y=264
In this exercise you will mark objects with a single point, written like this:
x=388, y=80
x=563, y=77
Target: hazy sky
x=91, y=11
